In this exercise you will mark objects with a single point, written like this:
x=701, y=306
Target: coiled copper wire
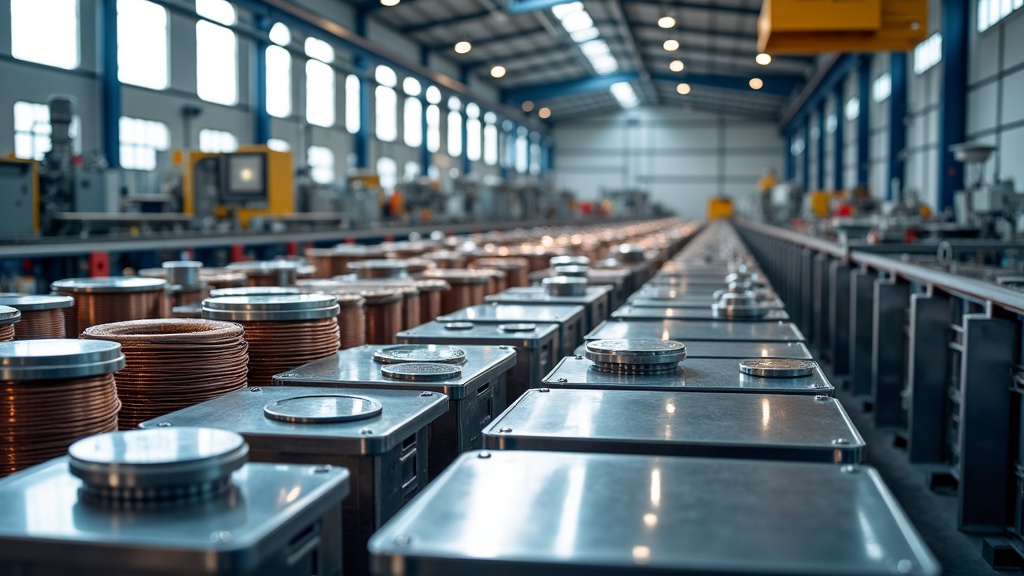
x=431, y=297
x=173, y=364
x=41, y=418
x=383, y=315
x=7, y=332
x=39, y=324
x=351, y=320
x=334, y=261
x=516, y=269
x=496, y=281
x=276, y=347
x=468, y=287
x=417, y=265
x=446, y=258
x=114, y=303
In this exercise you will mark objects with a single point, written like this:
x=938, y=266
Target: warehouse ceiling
x=544, y=65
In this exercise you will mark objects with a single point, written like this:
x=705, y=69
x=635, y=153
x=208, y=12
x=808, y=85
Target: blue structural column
x=110, y=86
x=838, y=138
x=864, y=121
x=952, y=97
x=790, y=157
x=425, y=158
x=466, y=164
x=805, y=168
x=897, y=112
x=258, y=74
x=821, y=146
x=362, y=65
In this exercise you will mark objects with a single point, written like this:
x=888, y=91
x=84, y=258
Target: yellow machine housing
x=236, y=177
x=719, y=208
x=815, y=26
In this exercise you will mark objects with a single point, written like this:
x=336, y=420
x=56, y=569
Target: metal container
x=103, y=300
x=255, y=291
x=192, y=507
x=716, y=330
x=536, y=346
x=713, y=425
x=595, y=301
x=739, y=350
x=565, y=285
x=41, y=316
x=378, y=269
x=630, y=312
x=583, y=514
x=270, y=273
x=475, y=396
x=568, y=318
x=8, y=318
x=704, y=302
x=380, y=436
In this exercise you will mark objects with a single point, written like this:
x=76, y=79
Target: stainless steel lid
x=643, y=356
x=160, y=465
x=254, y=291
x=557, y=261
x=323, y=409
x=458, y=325
x=182, y=272
x=50, y=359
x=373, y=269
x=263, y=268
x=458, y=275
x=629, y=253
x=572, y=270
x=188, y=311
x=420, y=353
x=421, y=371
x=518, y=327
x=284, y=308
x=776, y=368
x=109, y=284
x=565, y=286
x=719, y=310
x=9, y=315
x=29, y=303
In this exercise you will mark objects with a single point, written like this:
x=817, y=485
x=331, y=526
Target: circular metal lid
x=458, y=326
x=379, y=296
x=557, y=261
x=724, y=311
x=733, y=299
x=421, y=353
x=254, y=291
x=189, y=264
x=520, y=327
x=379, y=268
x=325, y=409
x=431, y=285
x=776, y=368
x=48, y=359
x=109, y=284
x=629, y=253
x=565, y=285
x=261, y=268
x=458, y=275
x=188, y=311
x=636, y=352
x=118, y=463
x=31, y=303
x=572, y=270
x=290, y=307
x=421, y=371
x=9, y=315
x=183, y=272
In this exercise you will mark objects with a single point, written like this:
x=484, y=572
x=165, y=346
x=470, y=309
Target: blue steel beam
x=805, y=167
x=258, y=74
x=897, y=113
x=838, y=139
x=445, y=22
x=820, y=160
x=815, y=93
x=952, y=98
x=110, y=85
x=774, y=85
x=864, y=123
x=488, y=41
x=521, y=6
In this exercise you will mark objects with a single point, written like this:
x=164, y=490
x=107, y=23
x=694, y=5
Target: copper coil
x=417, y=265
x=39, y=324
x=411, y=298
x=516, y=269
x=93, y=309
x=41, y=418
x=495, y=281
x=173, y=364
x=188, y=296
x=384, y=317
x=330, y=262
x=276, y=347
x=431, y=297
x=468, y=288
x=7, y=332
x=446, y=258
x=351, y=320
x=223, y=278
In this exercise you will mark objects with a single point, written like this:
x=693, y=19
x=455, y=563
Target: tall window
x=927, y=54
x=279, y=145
x=32, y=131
x=490, y=139
x=321, y=164
x=386, y=104
x=412, y=171
x=522, y=151
x=881, y=88
x=142, y=44
x=433, y=119
x=216, y=53
x=991, y=12
x=45, y=32
x=412, y=113
x=140, y=141
x=473, y=137
x=454, y=127
x=352, y=119
x=279, y=72
x=319, y=83
x=217, y=141
x=387, y=170
x=535, y=154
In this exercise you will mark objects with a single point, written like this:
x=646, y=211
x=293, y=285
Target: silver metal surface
x=182, y=272
x=194, y=310
x=518, y=327
x=33, y=303
x=283, y=308
x=777, y=367
x=565, y=285
x=712, y=425
x=706, y=331
x=9, y=315
x=323, y=409
x=378, y=268
x=572, y=270
x=568, y=317
x=48, y=359
x=255, y=291
x=631, y=312
x=420, y=353
x=738, y=350
x=636, y=356
x=116, y=284
x=596, y=301
x=421, y=372
x=732, y=311
x=567, y=514
x=556, y=261
x=692, y=375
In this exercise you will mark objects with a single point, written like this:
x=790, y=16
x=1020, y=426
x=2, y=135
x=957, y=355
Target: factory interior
x=507, y=287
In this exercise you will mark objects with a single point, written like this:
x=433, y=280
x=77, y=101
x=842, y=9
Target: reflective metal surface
x=635, y=312
x=421, y=372
x=420, y=353
x=563, y=514
x=565, y=285
x=708, y=331
x=118, y=284
x=58, y=358
x=33, y=303
x=323, y=409
x=287, y=307
x=738, y=350
x=635, y=356
x=765, y=426
x=9, y=315
x=777, y=368
x=569, y=318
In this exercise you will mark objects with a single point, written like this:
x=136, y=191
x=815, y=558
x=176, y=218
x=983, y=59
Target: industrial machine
x=992, y=207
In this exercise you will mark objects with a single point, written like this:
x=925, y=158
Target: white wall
x=682, y=157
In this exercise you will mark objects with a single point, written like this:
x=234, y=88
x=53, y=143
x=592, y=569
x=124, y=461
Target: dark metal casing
x=568, y=318
x=596, y=301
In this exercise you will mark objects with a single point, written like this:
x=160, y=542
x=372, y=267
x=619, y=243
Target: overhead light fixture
x=390, y=2
x=756, y=83
x=666, y=22
x=544, y=113
x=683, y=88
x=763, y=59
x=676, y=66
x=463, y=47
x=498, y=71
x=623, y=92
x=671, y=45
x=527, y=106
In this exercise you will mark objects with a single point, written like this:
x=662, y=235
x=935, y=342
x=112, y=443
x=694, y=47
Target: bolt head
x=544, y=390
x=164, y=424
x=402, y=541
x=255, y=389
x=504, y=430
x=484, y=455
x=426, y=394
x=221, y=536
x=366, y=431
x=321, y=469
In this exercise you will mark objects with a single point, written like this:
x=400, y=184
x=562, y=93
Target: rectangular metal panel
x=707, y=331
x=927, y=378
x=862, y=294
x=839, y=315
x=567, y=514
x=595, y=301
x=820, y=307
x=569, y=319
x=712, y=425
x=888, y=351
x=629, y=312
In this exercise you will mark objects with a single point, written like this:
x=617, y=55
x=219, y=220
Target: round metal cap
x=188, y=311
x=719, y=310
x=50, y=359
x=520, y=327
x=420, y=353
x=157, y=464
x=557, y=261
x=572, y=270
x=29, y=303
x=260, y=268
x=458, y=326
x=285, y=308
x=421, y=372
x=254, y=291
x=629, y=253
x=744, y=298
x=109, y=284
x=9, y=315
x=565, y=286
x=639, y=351
x=776, y=368
x=326, y=409
x=183, y=272
x=372, y=269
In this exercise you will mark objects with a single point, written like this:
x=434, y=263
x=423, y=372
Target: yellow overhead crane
x=814, y=26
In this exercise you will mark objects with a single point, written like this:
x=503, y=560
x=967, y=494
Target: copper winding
x=496, y=281
x=517, y=274
x=468, y=288
x=330, y=262
x=41, y=418
x=351, y=320
x=7, y=332
x=276, y=347
x=384, y=314
x=417, y=265
x=446, y=258
x=95, y=308
x=173, y=364
x=39, y=324
x=431, y=297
